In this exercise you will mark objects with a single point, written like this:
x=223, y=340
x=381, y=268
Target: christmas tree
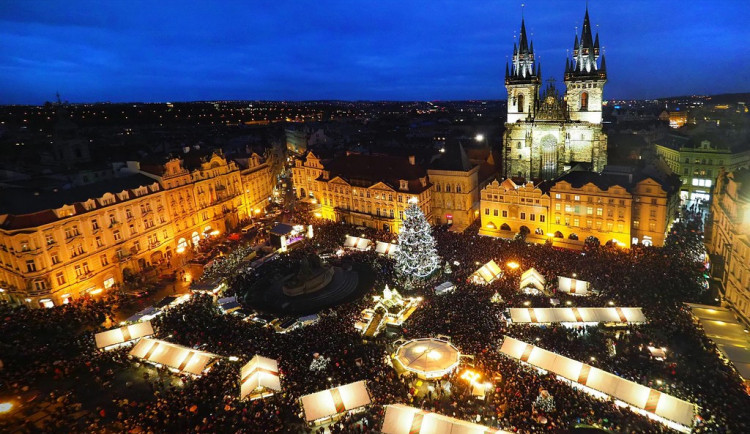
x=416, y=256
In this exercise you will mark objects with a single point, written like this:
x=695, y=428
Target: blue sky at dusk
x=400, y=50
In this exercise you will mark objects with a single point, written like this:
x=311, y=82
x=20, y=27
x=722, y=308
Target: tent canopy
x=388, y=249
x=356, y=243
x=427, y=357
x=573, y=286
x=183, y=359
x=650, y=400
x=487, y=273
x=259, y=372
x=147, y=313
x=331, y=402
x=123, y=334
x=532, y=278
x=546, y=315
x=402, y=419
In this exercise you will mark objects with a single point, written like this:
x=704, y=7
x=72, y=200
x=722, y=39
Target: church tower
x=585, y=78
x=522, y=80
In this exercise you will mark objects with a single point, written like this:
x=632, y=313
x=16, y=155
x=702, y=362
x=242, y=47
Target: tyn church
x=547, y=133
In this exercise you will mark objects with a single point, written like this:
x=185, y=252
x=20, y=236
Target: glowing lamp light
x=550, y=234
x=96, y=291
x=180, y=249
x=215, y=233
x=6, y=407
x=434, y=355
x=318, y=215
x=413, y=199
x=479, y=137
x=526, y=303
x=512, y=265
x=568, y=303
x=611, y=303
x=257, y=211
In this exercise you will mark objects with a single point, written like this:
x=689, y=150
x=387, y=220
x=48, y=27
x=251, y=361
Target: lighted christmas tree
x=416, y=256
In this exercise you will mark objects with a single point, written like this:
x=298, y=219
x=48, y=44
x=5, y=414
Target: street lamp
x=479, y=137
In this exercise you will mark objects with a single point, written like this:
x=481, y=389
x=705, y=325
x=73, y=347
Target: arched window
x=437, y=188
x=584, y=101
x=447, y=188
x=559, y=234
x=505, y=227
x=458, y=188
x=520, y=103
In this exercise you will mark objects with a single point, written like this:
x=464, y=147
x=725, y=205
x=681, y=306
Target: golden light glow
x=550, y=234
x=215, y=233
x=180, y=250
x=434, y=355
x=96, y=291
x=6, y=407
x=512, y=265
x=318, y=215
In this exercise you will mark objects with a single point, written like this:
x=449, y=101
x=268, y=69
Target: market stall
x=578, y=315
x=330, y=404
x=667, y=408
x=259, y=378
x=111, y=338
x=178, y=358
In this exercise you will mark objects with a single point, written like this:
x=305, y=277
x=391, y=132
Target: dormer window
x=403, y=184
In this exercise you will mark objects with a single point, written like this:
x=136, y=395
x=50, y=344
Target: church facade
x=548, y=132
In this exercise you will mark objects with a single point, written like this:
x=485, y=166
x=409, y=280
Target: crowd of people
x=55, y=344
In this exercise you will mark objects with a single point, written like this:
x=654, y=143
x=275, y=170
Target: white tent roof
x=427, y=356
x=573, y=286
x=626, y=315
x=123, y=334
x=147, y=312
x=488, y=272
x=330, y=402
x=721, y=325
x=356, y=242
x=444, y=287
x=531, y=277
x=181, y=358
x=402, y=419
x=386, y=248
x=650, y=400
x=259, y=372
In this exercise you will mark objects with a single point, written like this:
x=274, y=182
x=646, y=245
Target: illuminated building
x=257, y=183
x=625, y=208
x=698, y=166
x=507, y=208
x=366, y=190
x=455, y=192
x=547, y=133
x=729, y=242
x=60, y=245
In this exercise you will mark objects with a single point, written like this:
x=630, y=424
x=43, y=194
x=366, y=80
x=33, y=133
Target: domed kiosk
x=428, y=358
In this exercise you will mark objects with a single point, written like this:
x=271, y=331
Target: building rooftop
x=367, y=170
x=32, y=207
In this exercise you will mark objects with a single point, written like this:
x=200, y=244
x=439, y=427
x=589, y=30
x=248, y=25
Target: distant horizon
x=53, y=101
x=334, y=50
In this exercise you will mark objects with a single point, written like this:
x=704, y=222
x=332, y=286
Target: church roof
x=453, y=159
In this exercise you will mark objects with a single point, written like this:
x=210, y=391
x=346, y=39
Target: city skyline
x=416, y=51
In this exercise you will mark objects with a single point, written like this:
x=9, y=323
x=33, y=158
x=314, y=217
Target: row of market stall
x=531, y=282
x=577, y=315
x=674, y=412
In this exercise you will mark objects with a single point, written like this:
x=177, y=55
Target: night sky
x=396, y=50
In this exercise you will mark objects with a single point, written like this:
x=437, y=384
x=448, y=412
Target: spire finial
x=523, y=5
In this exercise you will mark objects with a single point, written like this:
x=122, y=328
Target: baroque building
x=729, y=242
x=546, y=132
x=61, y=245
x=367, y=190
x=622, y=206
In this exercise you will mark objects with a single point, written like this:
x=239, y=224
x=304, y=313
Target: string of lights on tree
x=416, y=256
